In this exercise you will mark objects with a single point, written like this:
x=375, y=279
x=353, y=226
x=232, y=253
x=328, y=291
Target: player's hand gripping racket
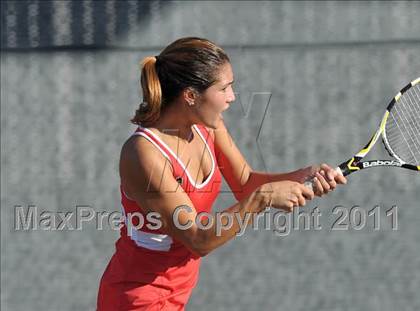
x=400, y=131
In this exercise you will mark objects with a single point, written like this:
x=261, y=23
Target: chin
x=213, y=124
x=210, y=124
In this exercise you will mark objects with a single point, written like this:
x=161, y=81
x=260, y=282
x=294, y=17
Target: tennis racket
x=400, y=131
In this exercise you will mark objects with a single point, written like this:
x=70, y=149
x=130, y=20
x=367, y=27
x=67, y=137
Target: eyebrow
x=231, y=82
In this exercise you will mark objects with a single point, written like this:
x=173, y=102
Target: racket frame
x=356, y=164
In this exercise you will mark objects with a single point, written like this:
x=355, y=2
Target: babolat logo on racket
x=381, y=162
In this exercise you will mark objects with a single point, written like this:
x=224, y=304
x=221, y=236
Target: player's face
x=216, y=99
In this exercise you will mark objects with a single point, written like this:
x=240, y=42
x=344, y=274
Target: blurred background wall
x=69, y=85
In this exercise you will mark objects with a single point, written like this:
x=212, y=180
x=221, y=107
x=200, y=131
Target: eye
x=225, y=88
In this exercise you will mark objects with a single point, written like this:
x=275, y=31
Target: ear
x=190, y=96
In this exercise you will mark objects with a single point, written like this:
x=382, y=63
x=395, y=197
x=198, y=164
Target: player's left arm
x=243, y=180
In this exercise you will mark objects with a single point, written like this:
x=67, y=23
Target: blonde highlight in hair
x=149, y=110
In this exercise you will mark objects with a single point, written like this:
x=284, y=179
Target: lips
x=226, y=108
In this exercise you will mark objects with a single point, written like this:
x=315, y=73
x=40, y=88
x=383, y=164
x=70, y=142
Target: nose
x=231, y=97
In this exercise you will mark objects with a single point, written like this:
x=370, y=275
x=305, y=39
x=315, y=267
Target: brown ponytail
x=149, y=110
x=186, y=63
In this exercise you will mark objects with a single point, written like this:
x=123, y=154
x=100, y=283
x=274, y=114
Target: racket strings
x=416, y=104
x=413, y=103
x=409, y=126
x=402, y=128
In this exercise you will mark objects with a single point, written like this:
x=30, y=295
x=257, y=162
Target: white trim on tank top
x=149, y=240
x=198, y=186
x=154, y=143
x=153, y=241
x=157, y=146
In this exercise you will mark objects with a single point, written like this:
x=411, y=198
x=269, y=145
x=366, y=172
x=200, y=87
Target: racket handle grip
x=310, y=183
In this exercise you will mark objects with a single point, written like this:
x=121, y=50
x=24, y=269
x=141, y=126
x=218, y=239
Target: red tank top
x=149, y=256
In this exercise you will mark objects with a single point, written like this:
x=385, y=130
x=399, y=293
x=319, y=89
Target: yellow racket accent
x=383, y=123
x=413, y=83
x=364, y=151
x=352, y=168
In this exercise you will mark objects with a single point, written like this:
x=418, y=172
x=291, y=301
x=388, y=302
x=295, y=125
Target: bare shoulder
x=138, y=149
x=142, y=167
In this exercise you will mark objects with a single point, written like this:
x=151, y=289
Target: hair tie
x=143, y=105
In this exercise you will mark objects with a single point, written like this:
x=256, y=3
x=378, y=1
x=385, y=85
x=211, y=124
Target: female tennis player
x=171, y=168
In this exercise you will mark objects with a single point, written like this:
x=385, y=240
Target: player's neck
x=174, y=121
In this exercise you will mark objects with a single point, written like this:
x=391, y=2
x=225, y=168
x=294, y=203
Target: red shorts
x=144, y=287
x=134, y=296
